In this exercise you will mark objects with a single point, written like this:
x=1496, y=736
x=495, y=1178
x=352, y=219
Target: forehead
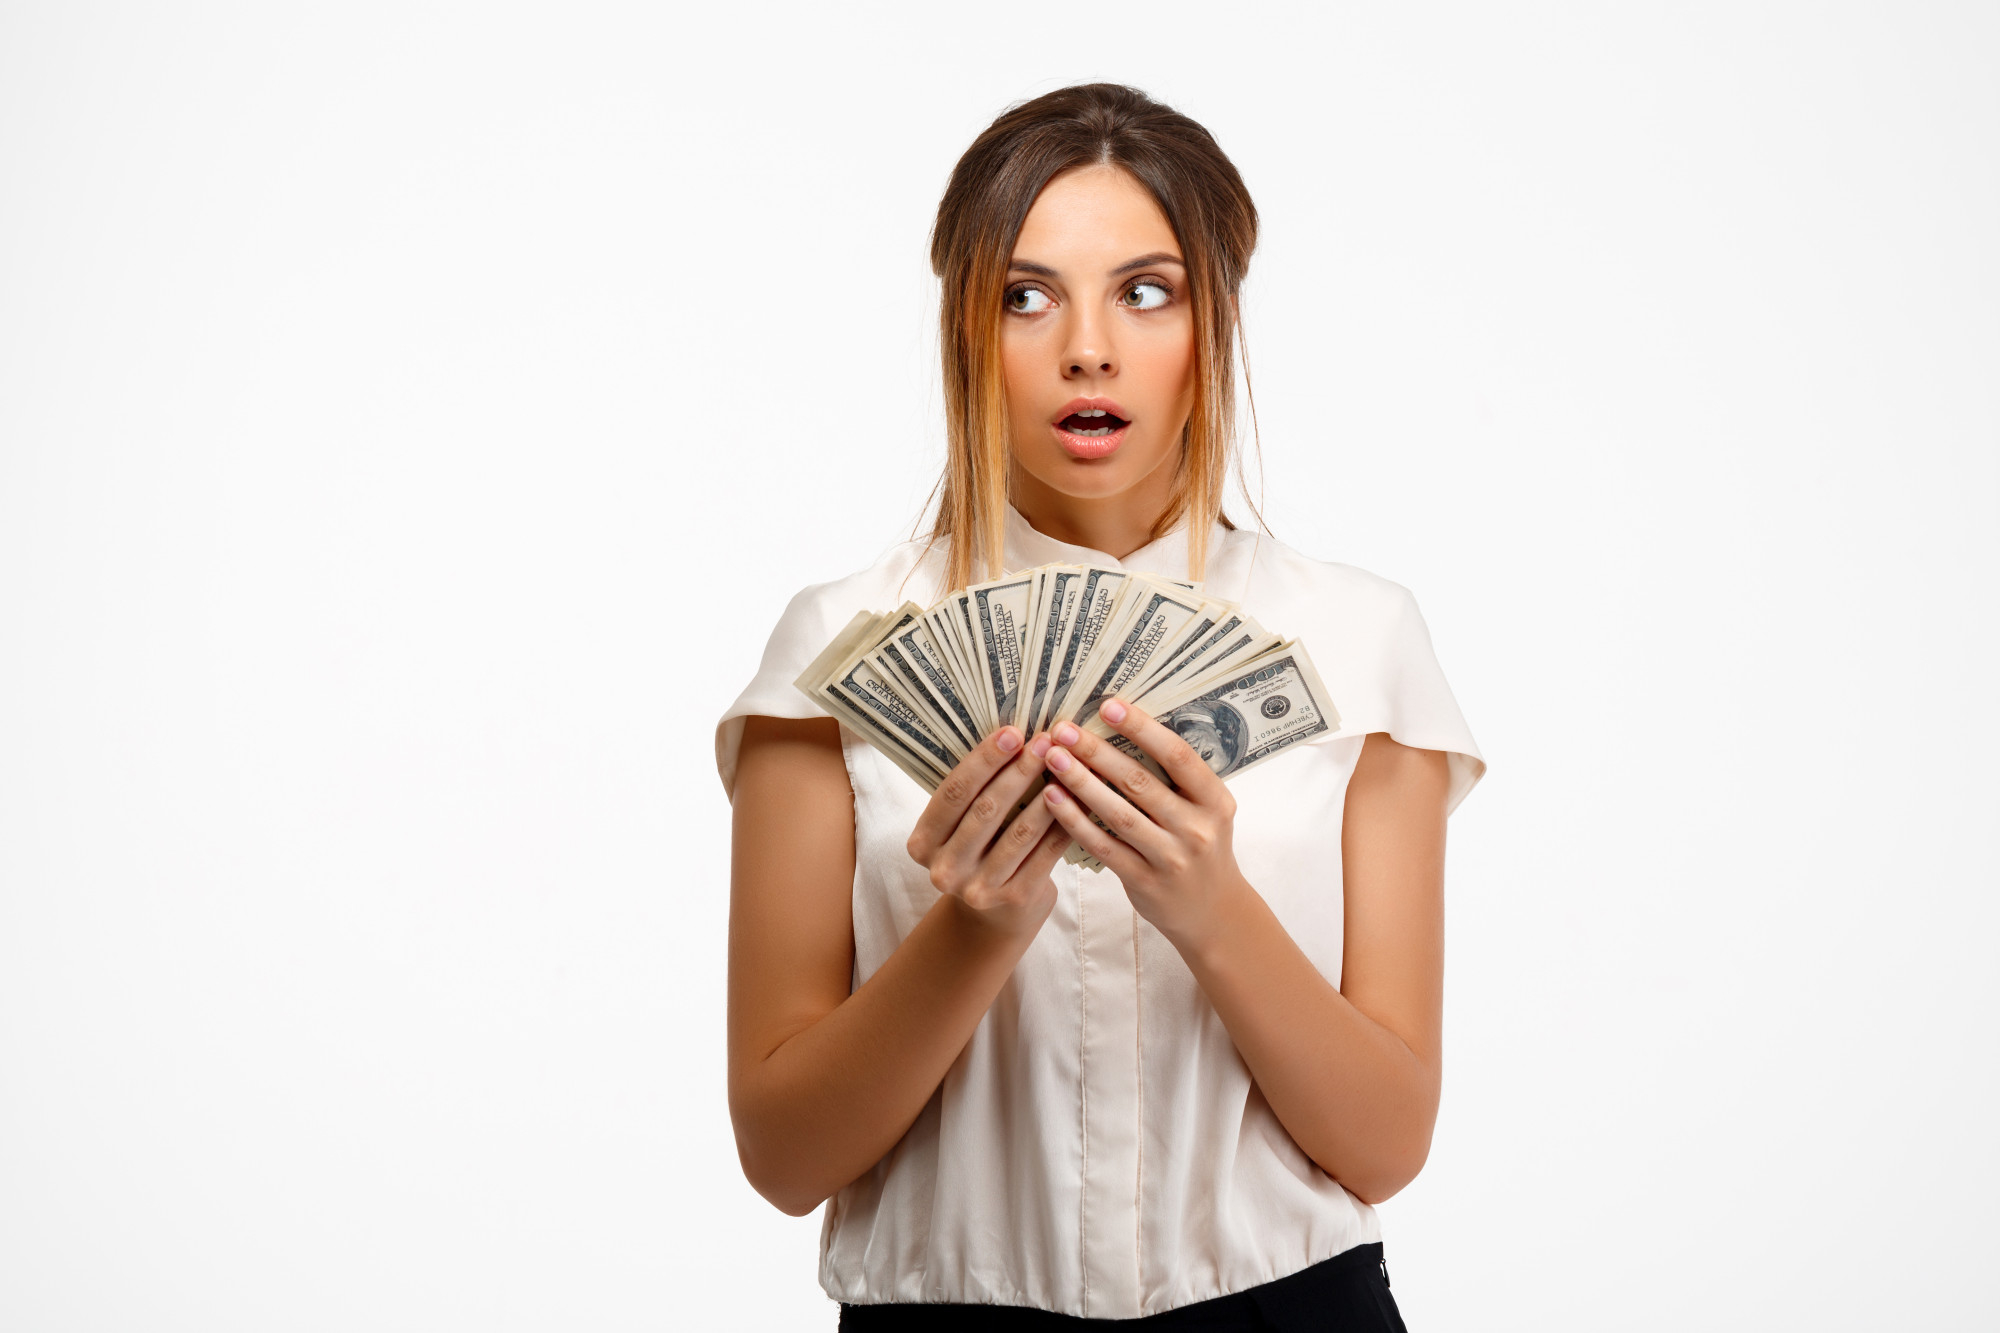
x=1092, y=216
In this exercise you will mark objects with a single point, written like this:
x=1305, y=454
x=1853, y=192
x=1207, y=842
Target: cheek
x=1019, y=367
x=1013, y=366
x=1164, y=361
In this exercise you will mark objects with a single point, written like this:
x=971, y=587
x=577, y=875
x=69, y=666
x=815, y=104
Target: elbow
x=1377, y=1166
x=792, y=1202
x=1385, y=1177
x=783, y=1189
x=777, y=1175
x=1373, y=1193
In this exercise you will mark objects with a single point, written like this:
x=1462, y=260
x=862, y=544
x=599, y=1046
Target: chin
x=1083, y=481
x=1090, y=479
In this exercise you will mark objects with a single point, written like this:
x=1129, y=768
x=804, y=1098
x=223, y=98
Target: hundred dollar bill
x=1158, y=617
x=1181, y=648
x=922, y=664
x=938, y=623
x=874, y=694
x=1096, y=599
x=999, y=616
x=1276, y=703
x=957, y=621
x=910, y=657
x=901, y=686
x=1236, y=639
x=924, y=686
x=815, y=683
x=848, y=640
x=1059, y=591
x=1031, y=627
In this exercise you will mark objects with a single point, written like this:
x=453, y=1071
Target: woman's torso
x=1099, y=1147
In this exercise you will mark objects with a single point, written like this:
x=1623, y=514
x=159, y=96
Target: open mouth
x=1091, y=424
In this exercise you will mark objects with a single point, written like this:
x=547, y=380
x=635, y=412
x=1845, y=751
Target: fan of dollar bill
x=1046, y=645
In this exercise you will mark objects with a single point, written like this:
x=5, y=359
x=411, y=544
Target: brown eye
x=1028, y=301
x=1144, y=296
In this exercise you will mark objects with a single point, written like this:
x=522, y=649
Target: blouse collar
x=1027, y=546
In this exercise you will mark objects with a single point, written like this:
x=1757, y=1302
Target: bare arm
x=1352, y=1073
x=823, y=1083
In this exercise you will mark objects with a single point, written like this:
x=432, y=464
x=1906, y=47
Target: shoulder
x=1294, y=593
x=1368, y=640
x=906, y=572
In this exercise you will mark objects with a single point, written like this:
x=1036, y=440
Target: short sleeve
x=1394, y=684
x=801, y=633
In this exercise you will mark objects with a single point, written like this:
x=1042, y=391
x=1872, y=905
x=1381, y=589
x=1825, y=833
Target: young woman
x=1174, y=1088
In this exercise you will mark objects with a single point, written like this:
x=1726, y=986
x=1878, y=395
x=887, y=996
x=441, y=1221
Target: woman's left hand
x=1173, y=850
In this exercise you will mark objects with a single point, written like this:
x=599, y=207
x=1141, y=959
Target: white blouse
x=1099, y=1148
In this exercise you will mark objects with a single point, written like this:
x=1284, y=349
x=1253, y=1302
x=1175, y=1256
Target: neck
x=1114, y=524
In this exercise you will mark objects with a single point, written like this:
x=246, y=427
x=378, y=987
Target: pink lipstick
x=1090, y=428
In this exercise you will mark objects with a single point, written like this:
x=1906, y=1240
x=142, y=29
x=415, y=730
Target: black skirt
x=1348, y=1293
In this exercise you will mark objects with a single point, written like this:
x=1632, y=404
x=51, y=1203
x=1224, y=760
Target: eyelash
x=1007, y=297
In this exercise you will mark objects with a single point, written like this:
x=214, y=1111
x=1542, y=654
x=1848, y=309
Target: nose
x=1089, y=351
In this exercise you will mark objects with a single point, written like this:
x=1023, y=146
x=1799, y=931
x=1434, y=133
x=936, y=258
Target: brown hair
x=992, y=188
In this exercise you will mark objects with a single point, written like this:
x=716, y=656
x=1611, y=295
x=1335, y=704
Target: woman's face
x=1097, y=340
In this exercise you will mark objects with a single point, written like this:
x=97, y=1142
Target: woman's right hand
x=825, y=1076
x=1000, y=875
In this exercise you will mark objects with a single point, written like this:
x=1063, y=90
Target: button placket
x=1110, y=1222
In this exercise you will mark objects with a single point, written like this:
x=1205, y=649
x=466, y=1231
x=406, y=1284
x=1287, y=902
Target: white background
x=412, y=420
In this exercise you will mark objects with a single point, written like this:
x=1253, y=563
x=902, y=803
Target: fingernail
x=1059, y=760
x=1055, y=794
x=1009, y=740
x=1067, y=734
x=1112, y=711
x=1039, y=746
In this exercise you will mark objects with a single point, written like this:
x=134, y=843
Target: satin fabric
x=1099, y=1148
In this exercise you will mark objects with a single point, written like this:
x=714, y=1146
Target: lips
x=1091, y=424
x=1091, y=428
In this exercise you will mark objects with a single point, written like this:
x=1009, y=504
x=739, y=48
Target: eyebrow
x=1129, y=266
x=1147, y=261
